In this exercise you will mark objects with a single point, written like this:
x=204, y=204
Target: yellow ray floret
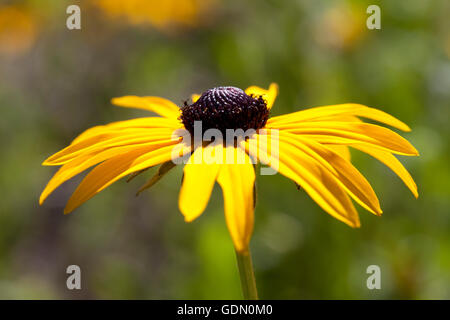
x=237, y=182
x=198, y=182
x=313, y=177
x=161, y=106
x=351, y=109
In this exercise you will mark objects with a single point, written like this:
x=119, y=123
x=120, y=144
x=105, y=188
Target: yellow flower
x=341, y=27
x=312, y=149
x=18, y=30
x=160, y=14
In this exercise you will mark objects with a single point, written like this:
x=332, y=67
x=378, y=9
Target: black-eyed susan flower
x=309, y=147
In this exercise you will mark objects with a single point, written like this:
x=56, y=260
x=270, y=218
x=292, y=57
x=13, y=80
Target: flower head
x=309, y=147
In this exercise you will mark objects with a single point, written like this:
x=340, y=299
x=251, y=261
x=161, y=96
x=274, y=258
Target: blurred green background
x=55, y=83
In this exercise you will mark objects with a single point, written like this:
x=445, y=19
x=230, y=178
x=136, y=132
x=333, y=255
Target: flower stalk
x=247, y=275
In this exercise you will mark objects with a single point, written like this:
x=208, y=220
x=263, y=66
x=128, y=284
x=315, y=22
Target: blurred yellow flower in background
x=18, y=30
x=341, y=27
x=160, y=14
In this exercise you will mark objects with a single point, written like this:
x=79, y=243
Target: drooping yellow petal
x=114, y=169
x=341, y=150
x=337, y=110
x=269, y=95
x=198, y=182
x=334, y=131
x=383, y=156
x=161, y=106
x=391, y=162
x=311, y=175
x=343, y=171
x=108, y=140
x=82, y=163
x=237, y=183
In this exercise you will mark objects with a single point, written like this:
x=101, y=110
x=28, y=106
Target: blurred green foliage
x=319, y=52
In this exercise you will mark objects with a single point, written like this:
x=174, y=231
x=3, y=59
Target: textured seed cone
x=226, y=108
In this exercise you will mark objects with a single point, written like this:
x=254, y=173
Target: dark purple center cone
x=225, y=108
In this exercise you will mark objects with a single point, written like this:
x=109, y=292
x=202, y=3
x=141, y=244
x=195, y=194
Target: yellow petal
x=195, y=97
x=108, y=140
x=366, y=133
x=313, y=177
x=343, y=171
x=237, y=183
x=392, y=162
x=198, y=182
x=114, y=169
x=82, y=163
x=341, y=150
x=161, y=106
x=383, y=156
x=339, y=110
x=269, y=95
x=129, y=125
x=341, y=118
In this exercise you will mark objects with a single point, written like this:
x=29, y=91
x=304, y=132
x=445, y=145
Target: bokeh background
x=55, y=83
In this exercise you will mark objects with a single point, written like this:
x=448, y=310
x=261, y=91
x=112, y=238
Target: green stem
x=246, y=274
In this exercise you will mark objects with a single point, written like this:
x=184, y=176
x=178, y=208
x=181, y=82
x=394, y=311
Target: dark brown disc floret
x=226, y=108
